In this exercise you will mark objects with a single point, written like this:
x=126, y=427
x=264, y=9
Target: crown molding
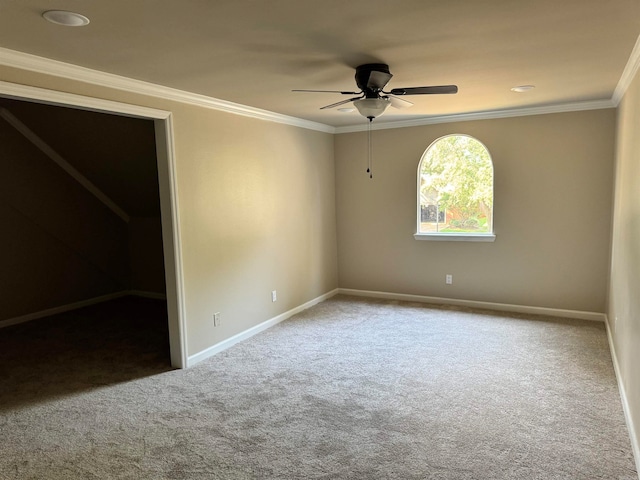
x=26, y=61
x=42, y=95
x=487, y=115
x=628, y=74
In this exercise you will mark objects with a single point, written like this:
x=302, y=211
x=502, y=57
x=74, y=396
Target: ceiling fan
x=372, y=100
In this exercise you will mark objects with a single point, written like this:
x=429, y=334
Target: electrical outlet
x=274, y=295
x=448, y=279
x=216, y=319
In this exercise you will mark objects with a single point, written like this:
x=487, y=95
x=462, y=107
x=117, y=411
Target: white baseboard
x=61, y=309
x=635, y=446
x=229, y=342
x=81, y=304
x=504, y=307
x=142, y=293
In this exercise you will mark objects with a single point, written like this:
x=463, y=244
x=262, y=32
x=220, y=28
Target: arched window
x=455, y=190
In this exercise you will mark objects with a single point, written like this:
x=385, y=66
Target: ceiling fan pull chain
x=369, y=148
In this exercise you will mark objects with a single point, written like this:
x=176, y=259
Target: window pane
x=456, y=187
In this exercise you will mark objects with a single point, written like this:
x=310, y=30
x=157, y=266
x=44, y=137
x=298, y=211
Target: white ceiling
x=254, y=52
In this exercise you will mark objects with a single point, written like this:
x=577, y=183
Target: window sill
x=452, y=237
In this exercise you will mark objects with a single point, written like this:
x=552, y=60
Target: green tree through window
x=455, y=187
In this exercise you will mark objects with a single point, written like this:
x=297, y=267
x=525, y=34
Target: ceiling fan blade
x=440, y=89
x=399, y=102
x=328, y=91
x=340, y=103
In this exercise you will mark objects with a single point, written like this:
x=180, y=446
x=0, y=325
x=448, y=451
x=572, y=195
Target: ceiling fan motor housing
x=371, y=78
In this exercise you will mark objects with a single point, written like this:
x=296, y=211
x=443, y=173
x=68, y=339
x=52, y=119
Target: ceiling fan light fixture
x=68, y=19
x=372, y=107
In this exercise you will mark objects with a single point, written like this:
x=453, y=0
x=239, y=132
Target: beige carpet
x=349, y=389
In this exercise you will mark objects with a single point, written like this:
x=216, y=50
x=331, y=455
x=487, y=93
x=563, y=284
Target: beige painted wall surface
x=624, y=291
x=257, y=207
x=257, y=211
x=553, y=190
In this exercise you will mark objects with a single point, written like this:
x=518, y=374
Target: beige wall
x=624, y=289
x=256, y=206
x=553, y=189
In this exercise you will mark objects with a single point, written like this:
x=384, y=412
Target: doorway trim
x=169, y=211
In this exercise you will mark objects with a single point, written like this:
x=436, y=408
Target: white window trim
x=456, y=237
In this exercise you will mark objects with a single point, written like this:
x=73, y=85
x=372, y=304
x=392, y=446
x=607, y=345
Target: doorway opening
x=95, y=191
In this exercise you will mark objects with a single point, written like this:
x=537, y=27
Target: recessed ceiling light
x=523, y=88
x=68, y=19
x=346, y=110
